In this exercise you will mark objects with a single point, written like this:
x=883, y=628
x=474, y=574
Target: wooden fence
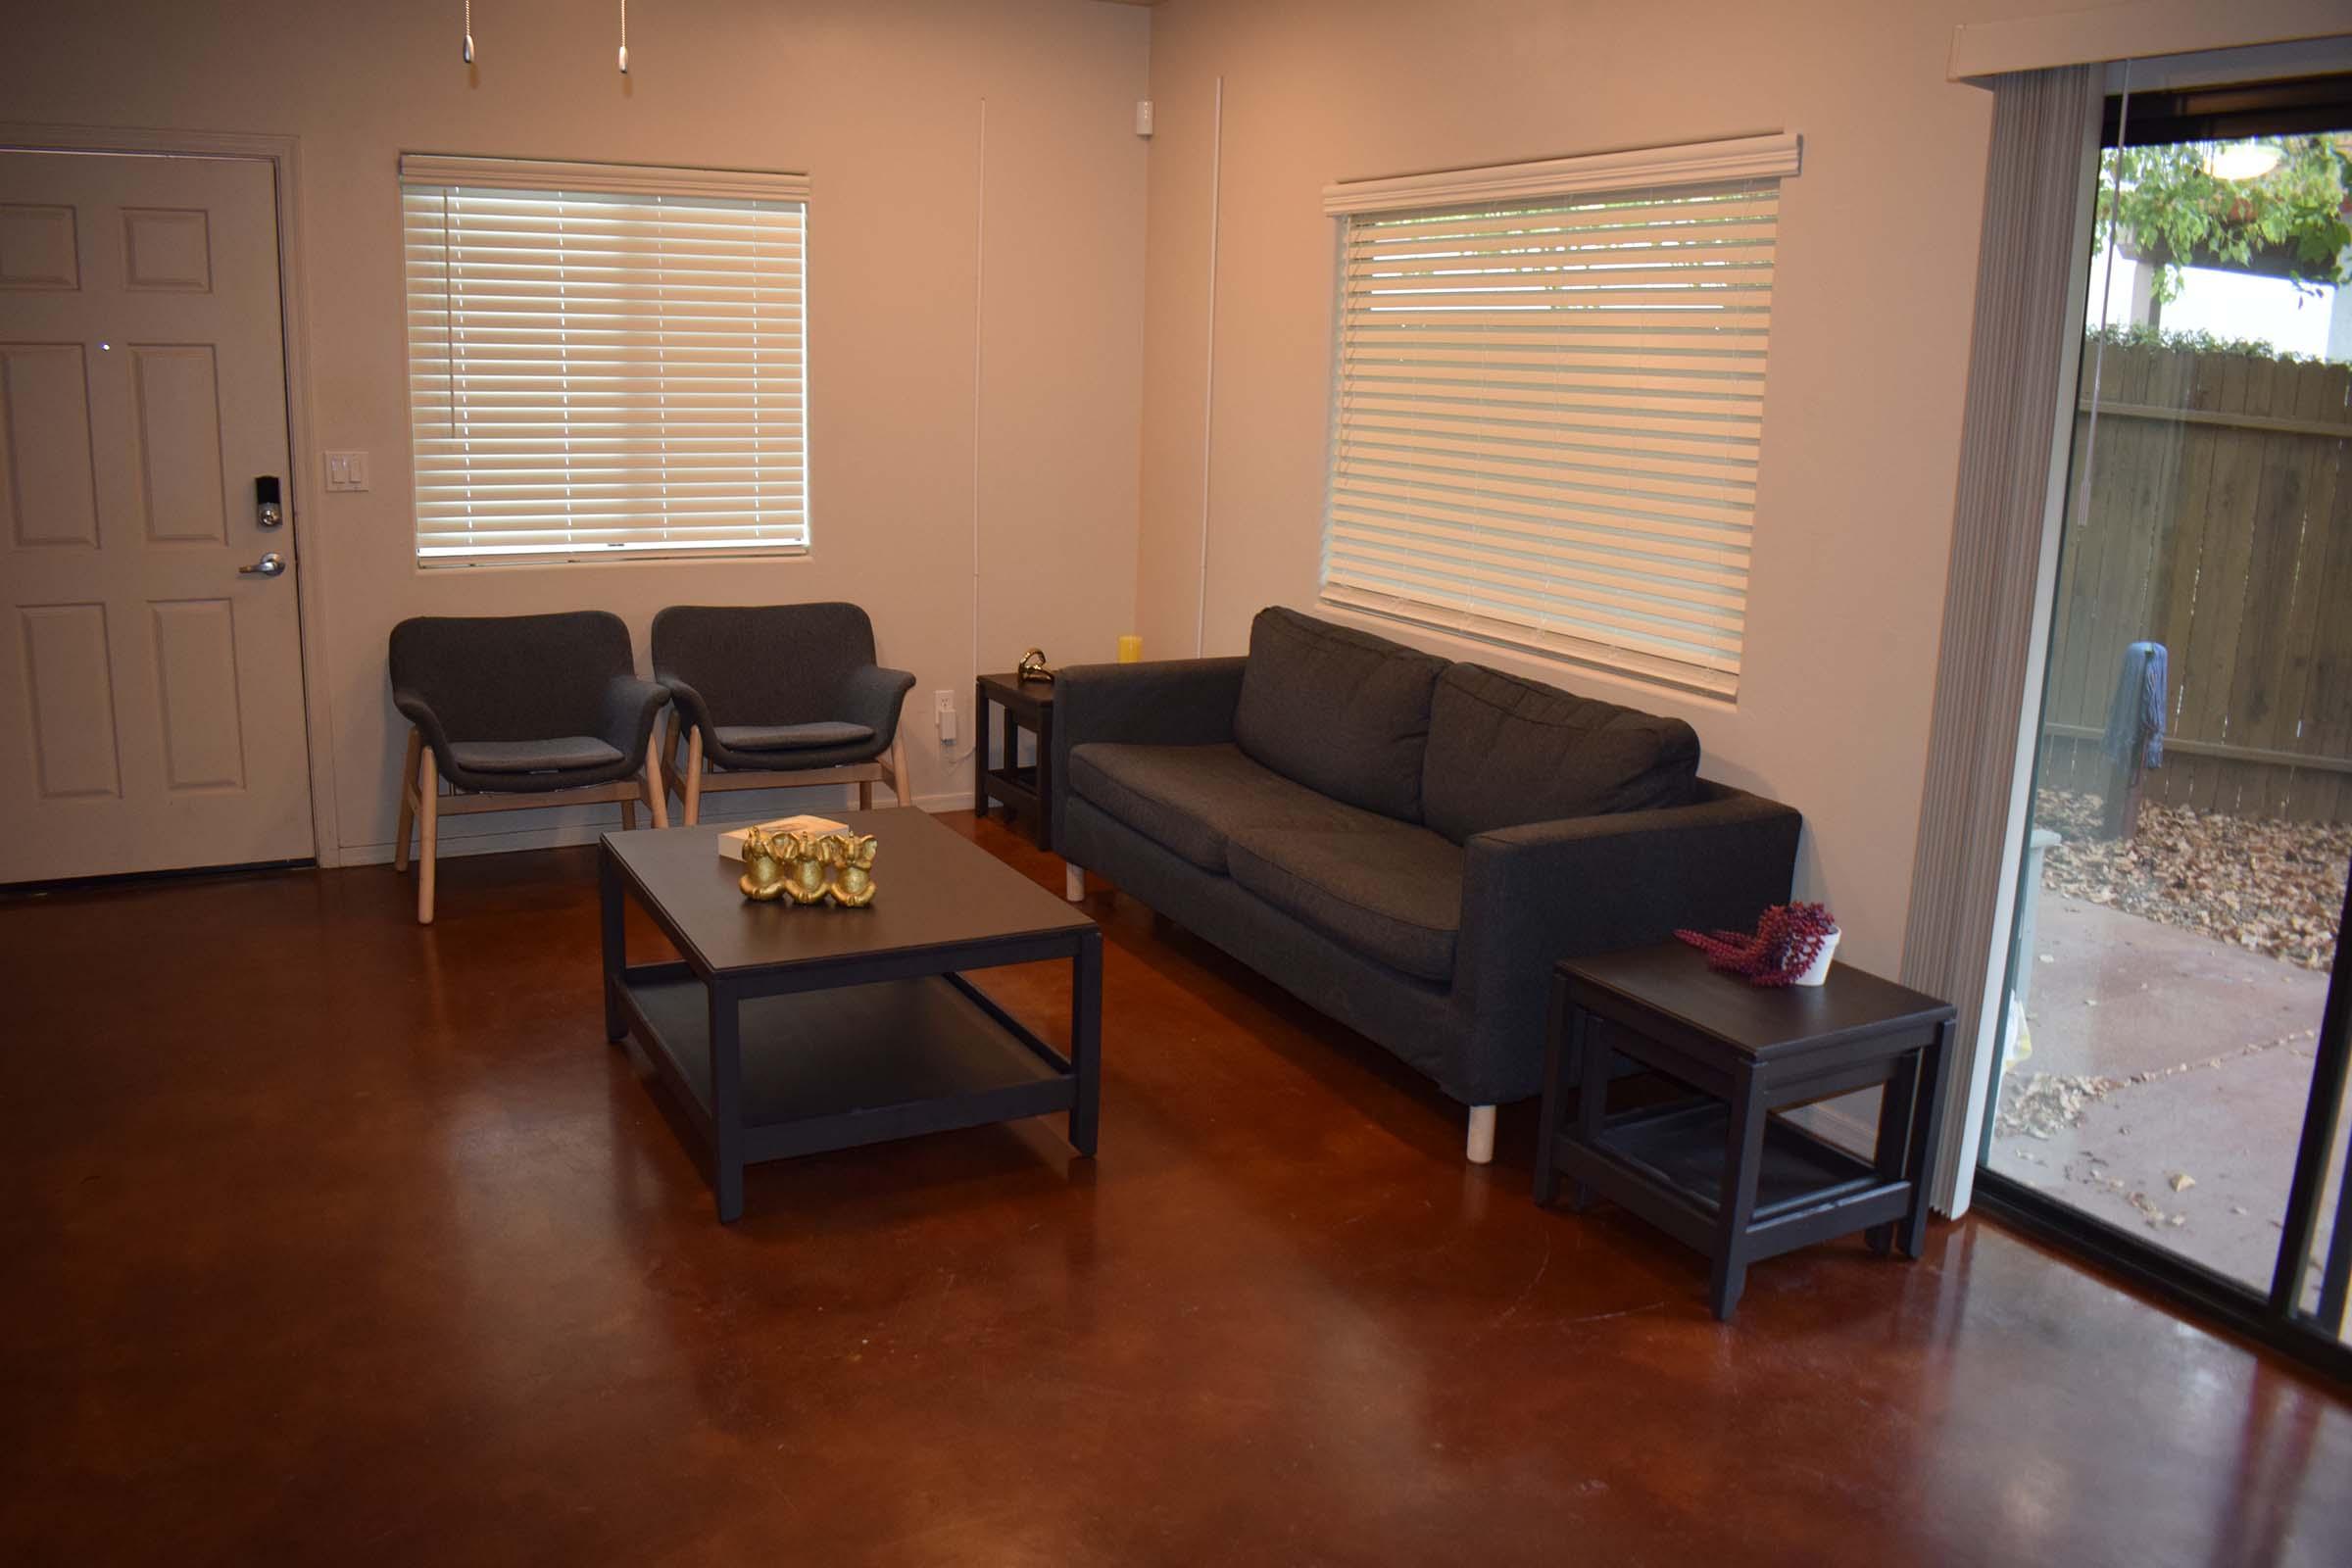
x=2217, y=521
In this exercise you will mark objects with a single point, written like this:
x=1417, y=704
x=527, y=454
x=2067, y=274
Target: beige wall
x=1875, y=273
x=879, y=102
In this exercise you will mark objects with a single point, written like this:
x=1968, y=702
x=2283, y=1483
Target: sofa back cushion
x=1341, y=711
x=1504, y=751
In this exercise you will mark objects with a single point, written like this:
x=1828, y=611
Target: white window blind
x=1549, y=403
x=605, y=359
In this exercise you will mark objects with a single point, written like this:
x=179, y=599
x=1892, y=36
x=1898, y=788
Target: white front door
x=151, y=709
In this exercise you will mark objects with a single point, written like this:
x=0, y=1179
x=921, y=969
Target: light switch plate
x=347, y=471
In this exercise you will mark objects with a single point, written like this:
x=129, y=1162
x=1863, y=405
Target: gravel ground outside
x=2268, y=886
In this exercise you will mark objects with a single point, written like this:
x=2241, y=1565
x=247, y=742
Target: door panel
x=71, y=682
x=46, y=481
x=150, y=696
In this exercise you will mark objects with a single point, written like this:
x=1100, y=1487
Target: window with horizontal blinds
x=604, y=360
x=1548, y=414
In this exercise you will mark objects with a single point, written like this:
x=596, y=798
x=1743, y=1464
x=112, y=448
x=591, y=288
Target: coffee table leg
x=726, y=1103
x=1086, y=1039
x=1927, y=1124
x=615, y=939
x=1744, y=1156
x=1556, y=1070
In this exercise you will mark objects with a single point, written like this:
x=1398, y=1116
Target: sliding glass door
x=2170, y=1089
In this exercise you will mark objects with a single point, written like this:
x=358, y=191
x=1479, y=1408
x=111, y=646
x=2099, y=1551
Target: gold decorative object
x=763, y=867
x=1033, y=667
x=854, y=870
x=806, y=856
x=808, y=867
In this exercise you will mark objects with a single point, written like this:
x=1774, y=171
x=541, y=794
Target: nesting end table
x=1715, y=1169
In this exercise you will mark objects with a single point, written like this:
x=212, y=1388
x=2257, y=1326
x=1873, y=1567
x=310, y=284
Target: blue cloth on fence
x=2136, y=718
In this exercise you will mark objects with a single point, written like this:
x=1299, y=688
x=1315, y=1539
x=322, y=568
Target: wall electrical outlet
x=945, y=702
x=1142, y=117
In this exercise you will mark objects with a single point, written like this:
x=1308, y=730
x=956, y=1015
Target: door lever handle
x=271, y=564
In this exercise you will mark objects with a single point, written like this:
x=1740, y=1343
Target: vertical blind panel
x=598, y=373
x=1547, y=421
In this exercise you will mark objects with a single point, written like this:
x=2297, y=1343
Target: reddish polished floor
x=335, y=1239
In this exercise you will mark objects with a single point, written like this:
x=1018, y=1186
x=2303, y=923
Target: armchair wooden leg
x=1073, y=883
x=900, y=785
x=656, y=798
x=408, y=800
x=628, y=817
x=693, y=792
x=865, y=794
x=428, y=848
x=670, y=778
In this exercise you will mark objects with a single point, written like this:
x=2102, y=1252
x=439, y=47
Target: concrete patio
x=2167, y=1084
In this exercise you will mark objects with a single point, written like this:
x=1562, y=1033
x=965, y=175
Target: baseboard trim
x=589, y=825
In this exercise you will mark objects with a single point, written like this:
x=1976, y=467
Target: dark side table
x=1025, y=704
x=1715, y=1169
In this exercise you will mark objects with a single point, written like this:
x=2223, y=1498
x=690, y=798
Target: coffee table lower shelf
x=847, y=1066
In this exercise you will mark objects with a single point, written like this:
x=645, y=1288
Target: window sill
x=610, y=557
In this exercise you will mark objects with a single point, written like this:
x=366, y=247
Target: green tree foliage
x=2174, y=211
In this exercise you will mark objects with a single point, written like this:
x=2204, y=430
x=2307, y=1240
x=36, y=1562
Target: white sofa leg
x=1481, y=1136
x=1073, y=883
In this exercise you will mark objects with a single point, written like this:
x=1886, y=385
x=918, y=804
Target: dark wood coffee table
x=1716, y=1170
x=788, y=1030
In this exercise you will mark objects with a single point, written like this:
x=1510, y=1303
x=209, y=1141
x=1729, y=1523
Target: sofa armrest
x=1541, y=892
x=1178, y=701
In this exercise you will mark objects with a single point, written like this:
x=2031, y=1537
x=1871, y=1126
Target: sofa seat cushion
x=1188, y=798
x=563, y=755
x=789, y=737
x=1504, y=751
x=1387, y=890
x=1340, y=711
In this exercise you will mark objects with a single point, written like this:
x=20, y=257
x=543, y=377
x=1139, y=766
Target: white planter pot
x=1819, y=970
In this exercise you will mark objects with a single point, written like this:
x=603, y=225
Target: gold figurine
x=763, y=857
x=805, y=881
x=854, y=870
x=808, y=867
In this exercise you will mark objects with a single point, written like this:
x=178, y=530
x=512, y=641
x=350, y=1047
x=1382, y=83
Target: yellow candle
x=1131, y=649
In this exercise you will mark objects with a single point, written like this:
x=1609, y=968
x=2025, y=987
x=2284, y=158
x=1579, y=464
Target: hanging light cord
x=625, y=37
x=470, y=32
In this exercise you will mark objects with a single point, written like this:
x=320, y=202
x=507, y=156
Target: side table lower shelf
x=1666, y=1164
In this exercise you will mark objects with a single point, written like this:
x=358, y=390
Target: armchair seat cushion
x=1188, y=798
x=1387, y=890
x=790, y=737
x=561, y=754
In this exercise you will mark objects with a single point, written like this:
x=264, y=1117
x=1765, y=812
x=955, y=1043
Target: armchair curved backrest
x=766, y=664
x=513, y=677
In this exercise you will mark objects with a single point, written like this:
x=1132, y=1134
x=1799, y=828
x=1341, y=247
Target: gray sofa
x=1403, y=842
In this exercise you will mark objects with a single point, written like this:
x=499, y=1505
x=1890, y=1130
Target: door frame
x=283, y=155
x=2268, y=1313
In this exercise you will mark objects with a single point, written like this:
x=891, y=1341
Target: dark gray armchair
x=770, y=695
x=510, y=710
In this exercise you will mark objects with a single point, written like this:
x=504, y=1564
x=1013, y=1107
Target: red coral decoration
x=1785, y=944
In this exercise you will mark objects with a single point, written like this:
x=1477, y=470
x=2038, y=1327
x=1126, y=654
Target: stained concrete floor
x=2211, y=1050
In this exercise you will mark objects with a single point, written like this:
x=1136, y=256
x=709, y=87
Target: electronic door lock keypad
x=269, y=510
